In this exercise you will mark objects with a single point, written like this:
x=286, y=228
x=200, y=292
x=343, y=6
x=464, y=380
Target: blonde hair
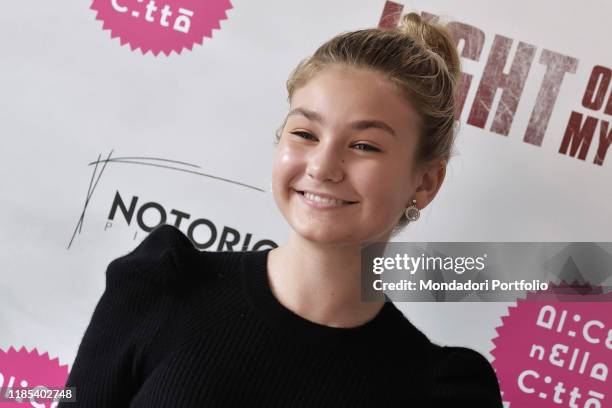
x=419, y=57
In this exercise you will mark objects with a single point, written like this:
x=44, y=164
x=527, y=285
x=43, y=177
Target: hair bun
x=433, y=36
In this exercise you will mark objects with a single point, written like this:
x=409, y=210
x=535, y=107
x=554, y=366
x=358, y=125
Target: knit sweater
x=180, y=327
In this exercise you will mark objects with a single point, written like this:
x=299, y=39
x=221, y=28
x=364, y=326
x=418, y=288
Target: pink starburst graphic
x=24, y=372
x=161, y=25
x=554, y=351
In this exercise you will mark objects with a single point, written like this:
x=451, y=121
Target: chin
x=329, y=236
x=325, y=235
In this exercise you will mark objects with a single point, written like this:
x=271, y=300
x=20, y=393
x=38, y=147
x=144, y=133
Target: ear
x=429, y=183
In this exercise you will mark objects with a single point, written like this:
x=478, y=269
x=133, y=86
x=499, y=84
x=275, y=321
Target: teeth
x=323, y=200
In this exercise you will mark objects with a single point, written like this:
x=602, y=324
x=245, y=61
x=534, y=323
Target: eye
x=303, y=135
x=364, y=146
x=367, y=147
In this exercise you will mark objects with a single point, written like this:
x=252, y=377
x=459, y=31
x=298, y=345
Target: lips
x=302, y=192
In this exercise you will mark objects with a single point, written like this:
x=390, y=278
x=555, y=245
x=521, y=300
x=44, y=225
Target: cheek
x=376, y=179
x=383, y=185
x=286, y=167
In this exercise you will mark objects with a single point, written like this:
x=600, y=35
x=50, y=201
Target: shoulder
x=165, y=257
x=462, y=374
x=460, y=361
x=444, y=375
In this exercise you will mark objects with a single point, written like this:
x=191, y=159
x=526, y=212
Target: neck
x=320, y=283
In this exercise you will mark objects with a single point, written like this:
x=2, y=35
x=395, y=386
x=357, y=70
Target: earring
x=271, y=187
x=412, y=212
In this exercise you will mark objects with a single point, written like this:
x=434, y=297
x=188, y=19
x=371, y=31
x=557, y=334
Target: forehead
x=342, y=94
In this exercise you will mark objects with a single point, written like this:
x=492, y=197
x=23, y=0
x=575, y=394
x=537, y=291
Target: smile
x=316, y=201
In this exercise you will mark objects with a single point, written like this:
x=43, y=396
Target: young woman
x=363, y=148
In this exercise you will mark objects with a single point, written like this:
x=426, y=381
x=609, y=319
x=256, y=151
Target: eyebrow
x=358, y=124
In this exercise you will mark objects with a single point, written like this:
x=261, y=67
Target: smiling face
x=352, y=136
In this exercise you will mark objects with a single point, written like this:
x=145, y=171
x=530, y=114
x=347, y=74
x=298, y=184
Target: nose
x=325, y=164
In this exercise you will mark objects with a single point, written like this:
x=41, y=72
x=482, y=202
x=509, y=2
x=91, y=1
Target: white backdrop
x=69, y=93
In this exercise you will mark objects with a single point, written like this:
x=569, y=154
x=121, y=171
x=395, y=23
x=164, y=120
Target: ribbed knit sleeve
x=110, y=363
x=462, y=377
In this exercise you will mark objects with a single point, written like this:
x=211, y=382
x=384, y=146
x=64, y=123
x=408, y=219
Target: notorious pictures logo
x=161, y=25
x=228, y=238
x=133, y=211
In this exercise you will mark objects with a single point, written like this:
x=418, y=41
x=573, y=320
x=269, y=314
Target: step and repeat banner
x=120, y=115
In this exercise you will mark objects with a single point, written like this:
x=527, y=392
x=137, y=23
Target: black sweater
x=179, y=327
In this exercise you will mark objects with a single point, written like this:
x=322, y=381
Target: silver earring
x=271, y=187
x=412, y=213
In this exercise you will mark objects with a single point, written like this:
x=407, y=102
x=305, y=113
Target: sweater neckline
x=259, y=293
